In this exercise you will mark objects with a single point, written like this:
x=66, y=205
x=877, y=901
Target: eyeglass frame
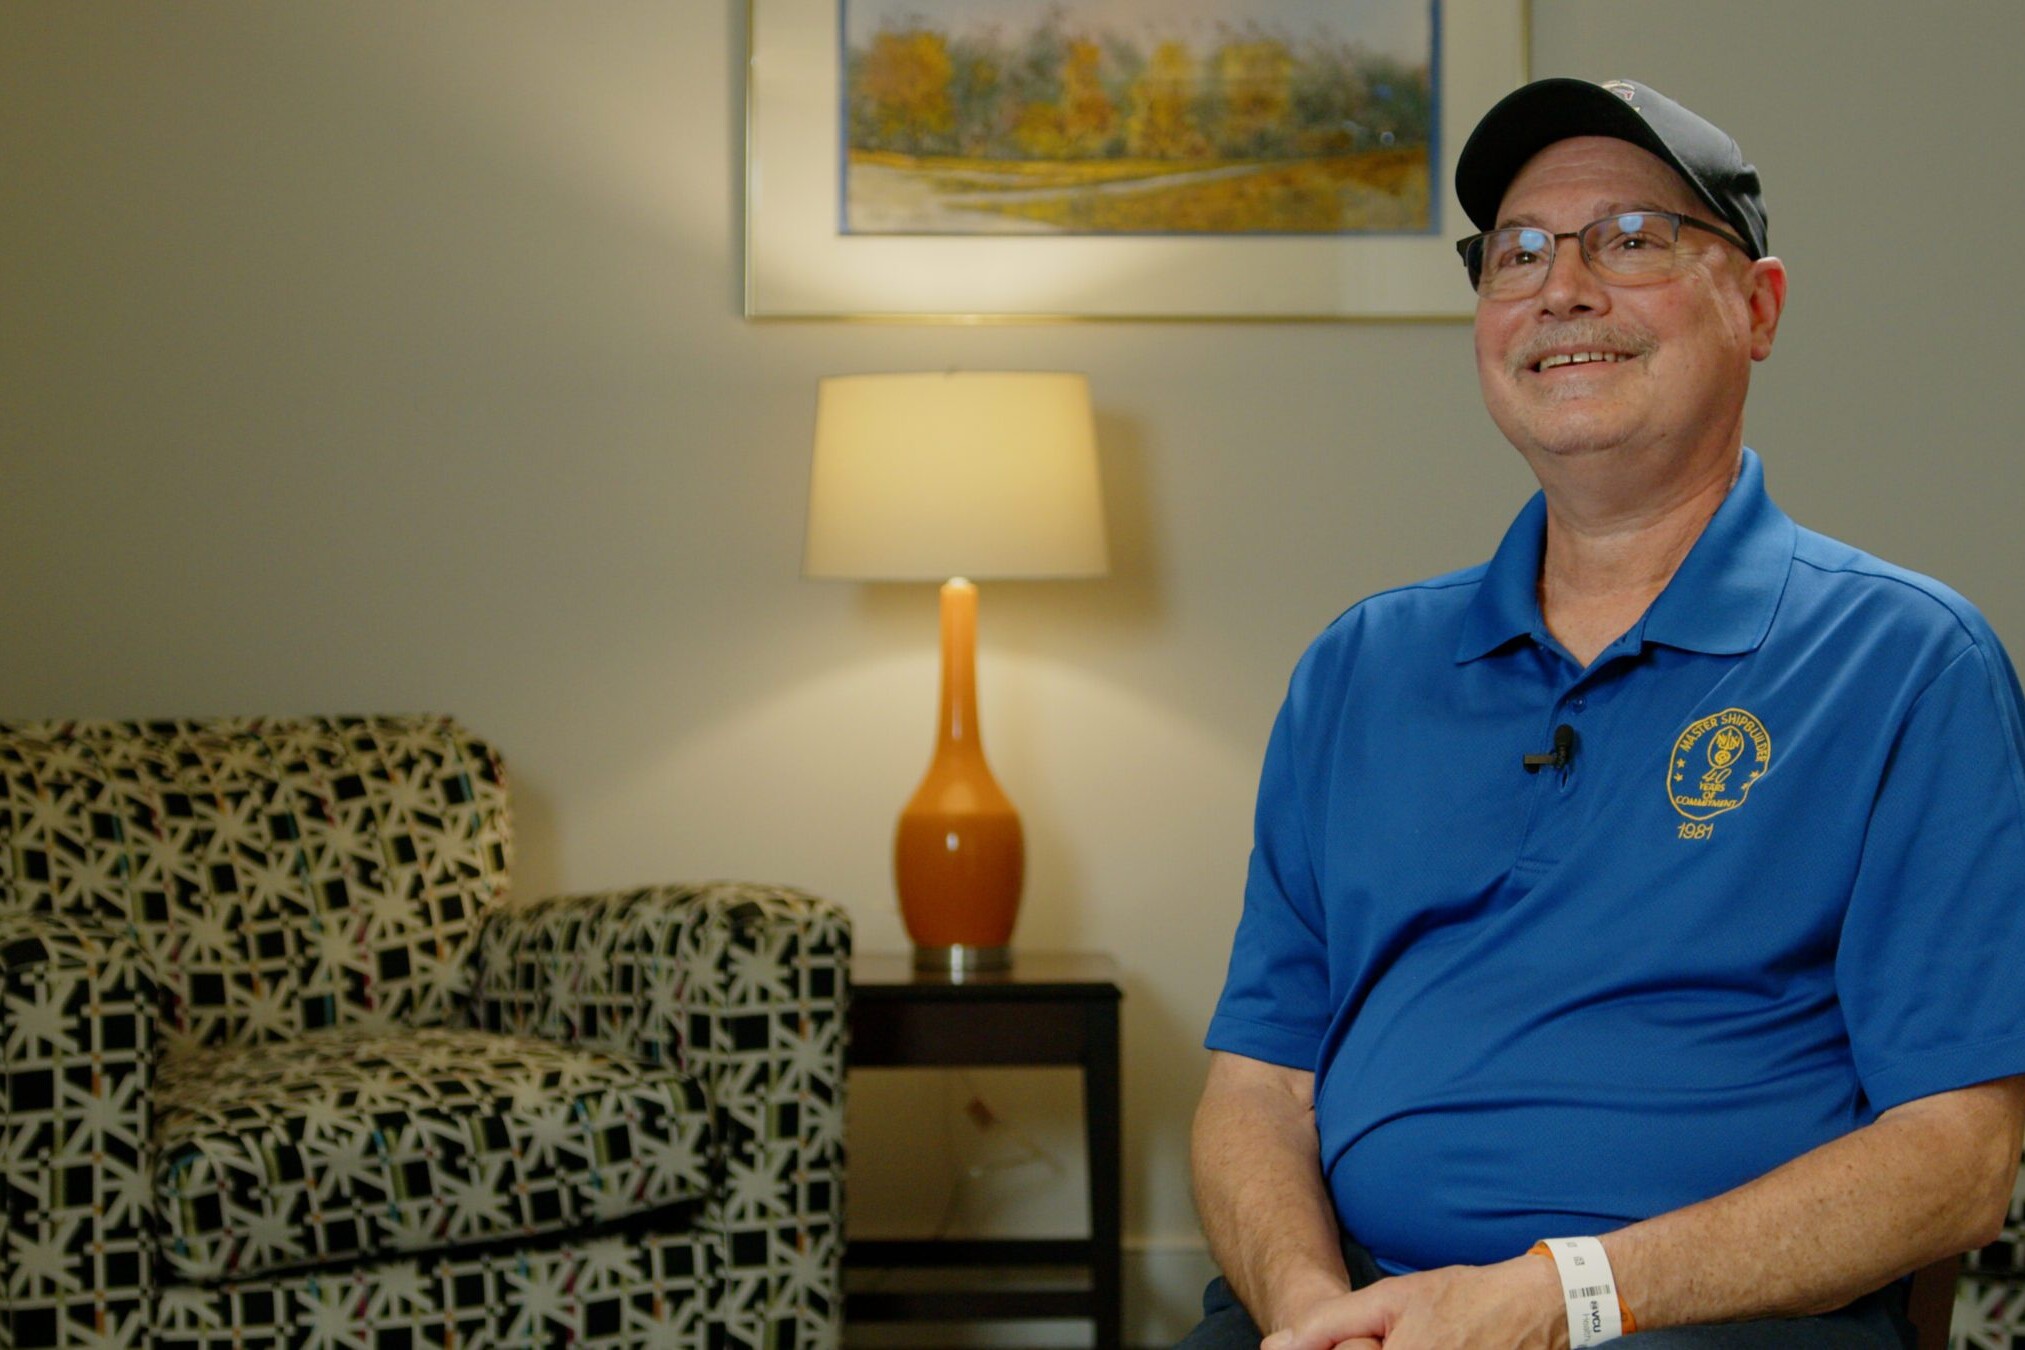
x=1603, y=274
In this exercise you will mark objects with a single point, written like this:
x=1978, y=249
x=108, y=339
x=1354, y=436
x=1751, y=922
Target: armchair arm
x=745, y=987
x=670, y=974
x=77, y=1051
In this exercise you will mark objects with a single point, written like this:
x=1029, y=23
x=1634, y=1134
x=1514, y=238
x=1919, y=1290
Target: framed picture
x=1115, y=159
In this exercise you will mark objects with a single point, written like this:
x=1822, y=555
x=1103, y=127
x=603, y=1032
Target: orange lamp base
x=959, y=856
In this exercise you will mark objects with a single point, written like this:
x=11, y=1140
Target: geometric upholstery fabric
x=623, y=1290
x=269, y=1028
x=355, y=1142
x=1990, y=1299
x=1989, y=1315
x=285, y=874
x=77, y=1062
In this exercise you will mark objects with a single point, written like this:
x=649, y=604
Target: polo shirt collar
x=1507, y=604
x=1720, y=602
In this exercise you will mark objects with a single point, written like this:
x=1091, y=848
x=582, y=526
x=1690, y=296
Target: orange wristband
x=1540, y=1248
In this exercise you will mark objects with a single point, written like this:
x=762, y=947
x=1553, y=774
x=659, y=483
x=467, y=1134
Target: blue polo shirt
x=1778, y=889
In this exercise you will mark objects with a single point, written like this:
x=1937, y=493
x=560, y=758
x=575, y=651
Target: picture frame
x=800, y=265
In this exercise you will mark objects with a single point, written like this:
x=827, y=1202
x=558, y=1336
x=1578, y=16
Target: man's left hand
x=1514, y=1305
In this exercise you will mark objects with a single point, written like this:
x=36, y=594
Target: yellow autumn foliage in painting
x=1079, y=125
x=1162, y=122
x=1039, y=131
x=1257, y=80
x=906, y=77
x=1087, y=114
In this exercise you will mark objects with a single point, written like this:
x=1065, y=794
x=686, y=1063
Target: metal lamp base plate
x=957, y=962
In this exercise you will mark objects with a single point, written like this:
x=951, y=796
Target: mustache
x=1586, y=334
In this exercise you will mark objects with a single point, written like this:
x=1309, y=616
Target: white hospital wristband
x=1595, y=1313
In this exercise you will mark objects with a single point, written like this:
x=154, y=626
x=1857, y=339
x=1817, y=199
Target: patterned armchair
x=1989, y=1311
x=281, y=1065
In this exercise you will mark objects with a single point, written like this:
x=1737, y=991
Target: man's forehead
x=1614, y=172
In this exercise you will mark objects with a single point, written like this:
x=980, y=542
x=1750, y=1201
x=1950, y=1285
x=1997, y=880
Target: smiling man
x=1630, y=938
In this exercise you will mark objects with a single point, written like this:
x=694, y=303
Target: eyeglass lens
x=1634, y=247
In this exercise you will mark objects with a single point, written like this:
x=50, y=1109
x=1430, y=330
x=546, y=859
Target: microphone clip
x=1560, y=757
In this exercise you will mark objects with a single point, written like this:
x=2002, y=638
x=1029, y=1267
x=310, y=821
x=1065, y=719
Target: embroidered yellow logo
x=1714, y=763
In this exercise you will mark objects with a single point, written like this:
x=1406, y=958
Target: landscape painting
x=1139, y=117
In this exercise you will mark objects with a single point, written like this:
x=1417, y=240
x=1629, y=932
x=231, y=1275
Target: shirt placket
x=1560, y=791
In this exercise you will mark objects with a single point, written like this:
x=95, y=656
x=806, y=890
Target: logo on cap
x=1623, y=91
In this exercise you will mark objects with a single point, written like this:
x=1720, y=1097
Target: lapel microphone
x=1560, y=757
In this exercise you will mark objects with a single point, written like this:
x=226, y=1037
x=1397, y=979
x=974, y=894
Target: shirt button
x=1578, y=703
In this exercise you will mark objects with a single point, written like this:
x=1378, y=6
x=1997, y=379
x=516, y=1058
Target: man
x=1653, y=889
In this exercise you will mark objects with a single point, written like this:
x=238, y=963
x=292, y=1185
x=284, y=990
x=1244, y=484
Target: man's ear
x=1765, y=292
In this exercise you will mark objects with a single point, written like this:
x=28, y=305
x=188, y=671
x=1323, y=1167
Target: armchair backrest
x=283, y=874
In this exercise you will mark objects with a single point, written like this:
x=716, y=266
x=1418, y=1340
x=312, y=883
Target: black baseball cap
x=1528, y=120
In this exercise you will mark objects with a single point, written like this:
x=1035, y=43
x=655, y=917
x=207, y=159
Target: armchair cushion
x=354, y=1143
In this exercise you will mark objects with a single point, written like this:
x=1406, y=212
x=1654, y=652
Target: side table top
x=876, y=973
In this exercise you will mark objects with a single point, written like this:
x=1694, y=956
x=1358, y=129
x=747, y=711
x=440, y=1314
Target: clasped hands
x=1513, y=1305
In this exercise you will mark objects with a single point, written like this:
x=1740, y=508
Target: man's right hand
x=1513, y=1305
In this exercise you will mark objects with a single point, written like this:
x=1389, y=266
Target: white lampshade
x=931, y=476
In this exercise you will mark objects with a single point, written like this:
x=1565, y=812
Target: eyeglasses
x=1636, y=248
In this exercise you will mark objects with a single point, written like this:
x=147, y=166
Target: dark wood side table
x=1047, y=1010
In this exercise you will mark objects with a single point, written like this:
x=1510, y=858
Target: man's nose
x=1572, y=284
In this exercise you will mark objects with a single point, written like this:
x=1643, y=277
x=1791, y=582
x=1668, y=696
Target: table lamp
x=954, y=477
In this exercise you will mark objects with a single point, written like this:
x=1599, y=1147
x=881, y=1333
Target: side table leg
x=1101, y=1116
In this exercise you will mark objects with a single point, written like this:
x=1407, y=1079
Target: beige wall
x=382, y=355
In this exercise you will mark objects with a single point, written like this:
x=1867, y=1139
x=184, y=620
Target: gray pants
x=1875, y=1322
